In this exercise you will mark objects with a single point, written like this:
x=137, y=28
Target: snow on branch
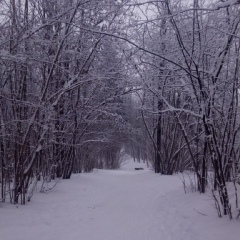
x=225, y=4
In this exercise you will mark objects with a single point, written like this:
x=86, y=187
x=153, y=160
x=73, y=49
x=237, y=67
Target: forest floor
x=122, y=204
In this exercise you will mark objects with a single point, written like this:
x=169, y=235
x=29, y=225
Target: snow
x=122, y=204
x=225, y=4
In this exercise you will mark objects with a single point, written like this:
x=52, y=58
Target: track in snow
x=117, y=205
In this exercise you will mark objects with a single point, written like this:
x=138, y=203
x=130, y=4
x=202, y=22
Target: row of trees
x=62, y=88
x=188, y=61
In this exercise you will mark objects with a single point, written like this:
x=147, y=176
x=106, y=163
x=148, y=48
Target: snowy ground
x=120, y=204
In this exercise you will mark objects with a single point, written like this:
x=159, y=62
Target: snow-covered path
x=117, y=205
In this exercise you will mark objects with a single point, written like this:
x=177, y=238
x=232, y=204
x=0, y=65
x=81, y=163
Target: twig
x=200, y=212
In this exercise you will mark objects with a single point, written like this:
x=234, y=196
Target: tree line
x=62, y=91
x=188, y=61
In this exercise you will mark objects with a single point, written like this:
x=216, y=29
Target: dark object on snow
x=139, y=168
